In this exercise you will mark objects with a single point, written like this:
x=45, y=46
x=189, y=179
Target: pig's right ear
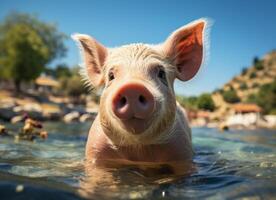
x=94, y=55
x=184, y=48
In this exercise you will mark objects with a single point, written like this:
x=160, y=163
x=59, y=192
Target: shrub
x=252, y=75
x=243, y=86
x=206, y=102
x=265, y=98
x=244, y=70
x=187, y=102
x=230, y=96
x=254, y=85
x=255, y=60
x=259, y=65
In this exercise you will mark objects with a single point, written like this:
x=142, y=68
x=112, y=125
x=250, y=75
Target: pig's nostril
x=122, y=102
x=142, y=99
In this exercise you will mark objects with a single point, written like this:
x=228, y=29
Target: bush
x=205, y=102
x=259, y=65
x=252, y=98
x=266, y=97
x=244, y=70
x=218, y=91
x=71, y=83
x=187, y=102
x=231, y=96
x=254, y=85
x=243, y=86
x=255, y=60
x=252, y=75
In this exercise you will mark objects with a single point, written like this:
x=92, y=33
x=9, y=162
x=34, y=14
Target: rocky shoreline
x=15, y=109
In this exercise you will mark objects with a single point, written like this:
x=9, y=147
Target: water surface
x=233, y=164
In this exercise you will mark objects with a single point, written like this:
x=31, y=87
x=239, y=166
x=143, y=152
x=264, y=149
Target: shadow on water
x=234, y=164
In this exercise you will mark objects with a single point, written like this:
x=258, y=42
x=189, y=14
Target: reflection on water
x=228, y=165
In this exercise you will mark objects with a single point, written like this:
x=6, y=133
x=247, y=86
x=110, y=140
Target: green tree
x=244, y=70
x=230, y=96
x=205, y=102
x=253, y=75
x=259, y=65
x=265, y=98
x=243, y=86
x=26, y=46
x=255, y=60
x=73, y=85
x=62, y=70
x=187, y=102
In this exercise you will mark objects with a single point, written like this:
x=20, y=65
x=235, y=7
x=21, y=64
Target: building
x=244, y=115
x=46, y=84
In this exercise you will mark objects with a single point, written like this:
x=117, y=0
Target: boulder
x=72, y=116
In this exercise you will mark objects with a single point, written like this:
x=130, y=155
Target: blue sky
x=241, y=30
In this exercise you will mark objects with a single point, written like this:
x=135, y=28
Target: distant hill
x=240, y=87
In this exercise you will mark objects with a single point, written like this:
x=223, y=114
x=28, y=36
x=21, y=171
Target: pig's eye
x=162, y=76
x=111, y=76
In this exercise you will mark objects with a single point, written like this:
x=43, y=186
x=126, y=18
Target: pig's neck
x=99, y=147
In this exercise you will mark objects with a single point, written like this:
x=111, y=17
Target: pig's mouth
x=135, y=125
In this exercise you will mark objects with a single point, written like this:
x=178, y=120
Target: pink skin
x=98, y=146
x=133, y=104
x=139, y=121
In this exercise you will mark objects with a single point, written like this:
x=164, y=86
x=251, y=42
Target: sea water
x=228, y=165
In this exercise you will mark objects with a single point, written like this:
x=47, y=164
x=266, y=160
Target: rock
x=223, y=127
x=87, y=117
x=72, y=116
x=18, y=109
x=16, y=119
x=271, y=120
x=43, y=134
x=32, y=107
x=7, y=113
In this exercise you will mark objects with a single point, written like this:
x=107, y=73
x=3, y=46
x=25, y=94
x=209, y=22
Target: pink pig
x=139, y=120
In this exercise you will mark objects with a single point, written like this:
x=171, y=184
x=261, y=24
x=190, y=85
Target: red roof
x=246, y=108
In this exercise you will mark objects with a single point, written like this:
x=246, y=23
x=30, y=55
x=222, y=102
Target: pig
x=139, y=119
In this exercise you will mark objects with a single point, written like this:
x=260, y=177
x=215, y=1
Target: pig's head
x=138, y=103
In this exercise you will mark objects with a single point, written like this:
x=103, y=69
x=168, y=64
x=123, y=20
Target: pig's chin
x=135, y=125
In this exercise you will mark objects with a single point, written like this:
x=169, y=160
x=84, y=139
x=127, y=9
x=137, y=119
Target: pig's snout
x=133, y=101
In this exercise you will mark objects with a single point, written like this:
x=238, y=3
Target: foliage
x=244, y=70
x=243, y=86
x=255, y=60
x=259, y=65
x=187, y=102
x=253, y=75
x=205, y=102
x=230, y=96
x=26, y=46
x=265, y=98
x=254, y=85
x=72, y=85
x=218, y=90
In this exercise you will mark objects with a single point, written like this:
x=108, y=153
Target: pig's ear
x=184, y=48
x=94, y=55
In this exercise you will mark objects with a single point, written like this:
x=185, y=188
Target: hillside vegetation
x=255, y=84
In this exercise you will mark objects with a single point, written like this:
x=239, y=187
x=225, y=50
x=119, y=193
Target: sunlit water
x=234, y=164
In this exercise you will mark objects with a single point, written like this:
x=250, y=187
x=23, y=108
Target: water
x=229, y=165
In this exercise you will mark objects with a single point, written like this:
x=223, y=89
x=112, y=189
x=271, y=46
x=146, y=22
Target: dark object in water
x=3, y=131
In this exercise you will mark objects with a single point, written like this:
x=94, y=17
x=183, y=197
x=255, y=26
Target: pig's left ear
x=184, y=48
